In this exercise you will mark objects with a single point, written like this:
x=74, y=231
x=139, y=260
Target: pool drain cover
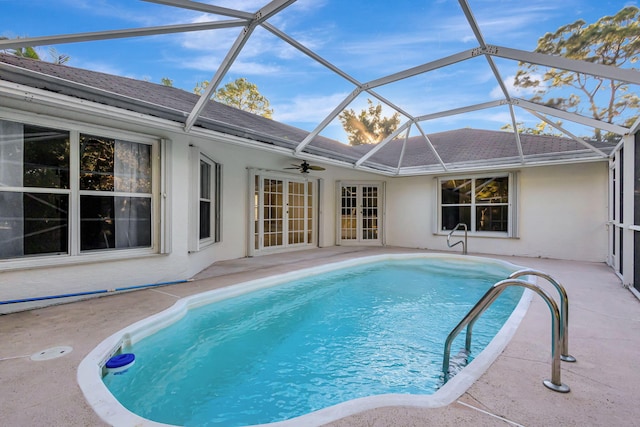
x=51, y=353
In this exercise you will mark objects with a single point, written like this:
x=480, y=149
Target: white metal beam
x=571, y=135
x=516, y=133
x=420, y=69
x=382, y=143
x=461, y=110
x=390, y=104
x=433, y=148
x=331, y=67
x=472, y=22
x=483, y=45
x=573, y=117
x=635, y=127
x=607, y=71
x=263, y=14
x=203, y=7
x=404, y=146
x=116, y=34
x=275, y=31
x=327, y=120
x=217, y=78
x=271, y=8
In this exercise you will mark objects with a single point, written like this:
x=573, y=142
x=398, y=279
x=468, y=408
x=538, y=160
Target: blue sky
x=366, y=39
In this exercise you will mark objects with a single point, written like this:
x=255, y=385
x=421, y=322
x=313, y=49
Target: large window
x=205, y=212
x=484, y=204
x=66, y=192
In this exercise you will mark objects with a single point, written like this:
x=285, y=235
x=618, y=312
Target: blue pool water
x=288, y=350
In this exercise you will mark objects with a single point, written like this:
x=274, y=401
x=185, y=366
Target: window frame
x=512, y=205
x=74, y=254
x=196, y=243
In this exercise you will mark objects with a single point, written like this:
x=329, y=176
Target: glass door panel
x=349, y=215
x=369, y=213
x=273, y=213
x=282, y=212
x=359, y=213
x=296, y=211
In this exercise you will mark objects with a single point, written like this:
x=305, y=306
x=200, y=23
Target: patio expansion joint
x=609, y=315
x=166, y=293
x=513, y=423
x=15, y=357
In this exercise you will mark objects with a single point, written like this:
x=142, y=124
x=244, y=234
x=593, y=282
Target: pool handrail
x=464, y=243
x=564, y=308
x=489, y=297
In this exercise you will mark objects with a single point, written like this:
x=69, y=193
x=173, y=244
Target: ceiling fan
x=305, y=167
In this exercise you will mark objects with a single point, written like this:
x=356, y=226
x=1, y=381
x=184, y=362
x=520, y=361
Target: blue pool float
x=120, y=363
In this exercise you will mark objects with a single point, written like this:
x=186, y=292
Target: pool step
x=458, y=362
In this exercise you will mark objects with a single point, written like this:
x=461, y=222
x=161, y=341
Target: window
x=482, y=203
x=205, y=213
x=115, y=194
x=53, y=203
x=205, y=200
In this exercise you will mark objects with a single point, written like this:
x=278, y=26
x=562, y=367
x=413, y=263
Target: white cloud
x=248, y=68
x=517, y=91
x=308, y=109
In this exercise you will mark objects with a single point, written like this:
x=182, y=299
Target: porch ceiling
x=413, y=148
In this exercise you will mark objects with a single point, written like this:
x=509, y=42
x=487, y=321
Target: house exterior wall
x=58, y=275
x=562, y=213
x=562, y=209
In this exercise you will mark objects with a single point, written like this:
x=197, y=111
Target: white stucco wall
x=55, y=275
x=562, y=213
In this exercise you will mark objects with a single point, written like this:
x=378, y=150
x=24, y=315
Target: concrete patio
x=604, y=337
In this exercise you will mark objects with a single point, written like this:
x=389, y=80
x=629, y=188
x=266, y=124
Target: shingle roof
x=457, y=146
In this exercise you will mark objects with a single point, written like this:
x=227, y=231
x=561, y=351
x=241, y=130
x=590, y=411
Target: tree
x=30, y=52
x=368, y=127
x=166, y=81
x=612, y=40
x=241, y=94
x=542, y=128
x=58, y=58
x=23, y=52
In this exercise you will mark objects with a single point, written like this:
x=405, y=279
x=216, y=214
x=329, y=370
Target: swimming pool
x=286, y=371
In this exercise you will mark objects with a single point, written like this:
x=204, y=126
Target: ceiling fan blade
x=305, y=167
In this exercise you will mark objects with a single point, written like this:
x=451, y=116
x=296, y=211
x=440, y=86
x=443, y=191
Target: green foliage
x=26, y=52
x=23, y=52
x=368, y=127
x=241, y=94
x=613, y=41
x=542, y=128
x=30, y=52
x=166, y=81
x=201, y=87
x=58, y=58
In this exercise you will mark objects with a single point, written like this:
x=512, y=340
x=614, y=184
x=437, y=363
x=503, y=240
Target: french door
x=360, y=216
x=283, y=214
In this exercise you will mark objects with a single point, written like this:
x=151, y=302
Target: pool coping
x=110, y=410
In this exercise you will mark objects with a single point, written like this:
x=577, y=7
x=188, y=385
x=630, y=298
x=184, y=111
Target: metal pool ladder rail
x=464, y=244
x=564, y=309
x=489, y=297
